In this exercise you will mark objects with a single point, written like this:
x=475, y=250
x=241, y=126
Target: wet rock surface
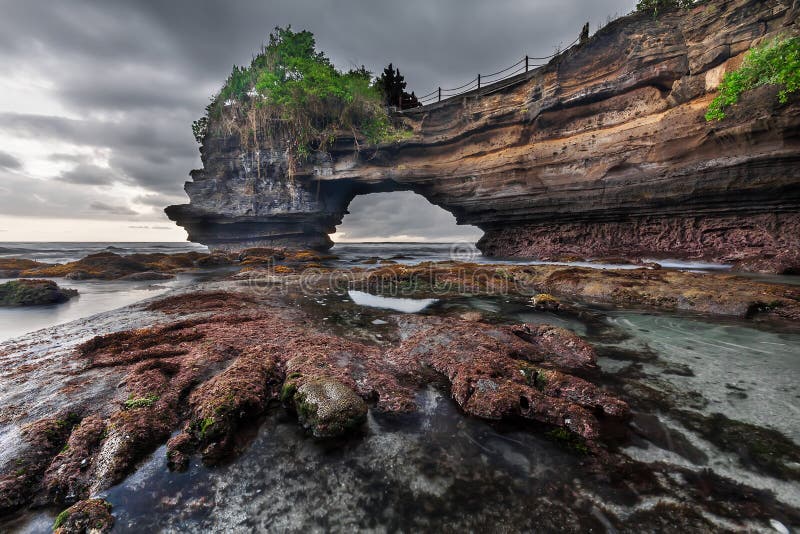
x=92, y=516
x=231, y=354
x=33, y=293
x=328, y=408
x=201, y=375
x=708, y=293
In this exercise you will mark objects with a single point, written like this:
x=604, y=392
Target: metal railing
x=488, y=81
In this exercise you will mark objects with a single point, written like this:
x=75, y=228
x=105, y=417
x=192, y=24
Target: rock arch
x=604, y=151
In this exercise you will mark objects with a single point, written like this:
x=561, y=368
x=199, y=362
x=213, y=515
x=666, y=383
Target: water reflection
x=390, y=303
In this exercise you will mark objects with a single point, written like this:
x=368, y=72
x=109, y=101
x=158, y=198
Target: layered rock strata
x=604, y=151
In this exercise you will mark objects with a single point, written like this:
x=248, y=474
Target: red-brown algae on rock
x=69, y=475
x=40, y=441
x=220, y=405
x=92, y=516
x=493, y=379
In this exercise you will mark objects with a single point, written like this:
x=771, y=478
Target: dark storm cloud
x=85, y=174
x=23, y=195
x=155, y=152
x=114, y=210
x=7, y=161
x=135, y=74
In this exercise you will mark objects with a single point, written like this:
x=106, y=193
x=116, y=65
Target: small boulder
x=328, y=408
x=92, y=516
x=545, y=302
x=33, y=293
x=78, y=275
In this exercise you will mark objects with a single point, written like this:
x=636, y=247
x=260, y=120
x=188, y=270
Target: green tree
x=656, y=7
x=292, y=95
x=393, y=87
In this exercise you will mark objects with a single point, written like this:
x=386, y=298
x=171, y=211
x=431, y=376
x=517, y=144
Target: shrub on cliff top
x=656, y=7
x=291, y=94
x=775, y=63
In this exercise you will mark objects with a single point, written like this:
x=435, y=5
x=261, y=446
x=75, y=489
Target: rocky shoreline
x=196, y=367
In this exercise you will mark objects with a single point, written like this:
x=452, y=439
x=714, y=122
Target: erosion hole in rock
x=400, y=216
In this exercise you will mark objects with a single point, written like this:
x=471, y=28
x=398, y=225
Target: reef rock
x=604, y=151
x=328, y=408
x=92, y=516
x=33, y=293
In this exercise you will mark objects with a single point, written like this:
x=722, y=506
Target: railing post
x=440, y=94
x=479, y=81
x=526, y=63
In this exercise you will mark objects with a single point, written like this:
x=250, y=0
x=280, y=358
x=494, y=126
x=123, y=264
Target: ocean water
x=65, y=252
x=94, y=296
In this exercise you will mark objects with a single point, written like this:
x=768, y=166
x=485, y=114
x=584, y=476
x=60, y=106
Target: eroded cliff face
x=604, y=151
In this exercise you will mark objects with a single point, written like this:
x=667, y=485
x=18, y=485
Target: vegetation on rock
x=656, y=7
x=141, y=402
x=774, y=63
x=11, y=267
x=92, y=515
x=33, y=292
x=328, y=408
x=393, y=86
x=292, y=95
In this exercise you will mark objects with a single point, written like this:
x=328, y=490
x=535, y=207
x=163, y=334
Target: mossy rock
x=327, y=408
x=89, y=516
x=33, y=293
x=544, y=301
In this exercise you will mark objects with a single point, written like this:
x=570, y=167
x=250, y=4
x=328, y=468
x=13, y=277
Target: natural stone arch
x=400, y=216
x=602, y=152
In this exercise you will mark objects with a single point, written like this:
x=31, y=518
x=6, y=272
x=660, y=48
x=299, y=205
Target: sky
x=98, y=96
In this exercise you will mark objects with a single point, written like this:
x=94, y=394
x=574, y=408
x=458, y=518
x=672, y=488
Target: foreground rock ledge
x=603, y=152
x=213, y=361
x=127, y=392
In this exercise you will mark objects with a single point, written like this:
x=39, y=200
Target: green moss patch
x=140, y=402
x=33, y=292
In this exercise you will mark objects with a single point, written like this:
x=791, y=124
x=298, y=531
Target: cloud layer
x=99, y=96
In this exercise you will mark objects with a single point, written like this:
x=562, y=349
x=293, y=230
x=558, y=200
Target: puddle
x=390, y=303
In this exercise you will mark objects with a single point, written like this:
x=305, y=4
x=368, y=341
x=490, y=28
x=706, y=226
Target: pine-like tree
x=392, y=84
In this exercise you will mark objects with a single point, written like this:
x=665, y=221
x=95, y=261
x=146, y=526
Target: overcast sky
x=98, y=96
